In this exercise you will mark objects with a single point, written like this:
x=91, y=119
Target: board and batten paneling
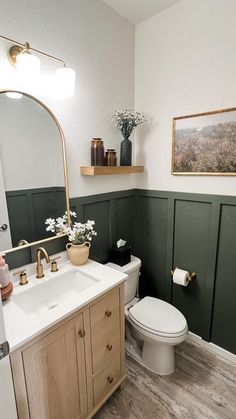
x=150, y=244
x=224, y=312
x=113, y=213
x=124, y=209
x=29, y=208
x=184, y=232
x=196, y=232
x=19, y=218
x=191, y=253
x=113, y=216
x=100, y=213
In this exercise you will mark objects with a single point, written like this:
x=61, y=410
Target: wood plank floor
x=202, y=387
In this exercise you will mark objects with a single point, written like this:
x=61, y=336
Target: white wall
x=185, y=64
x=99, y=45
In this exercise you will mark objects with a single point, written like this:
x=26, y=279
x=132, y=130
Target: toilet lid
x=158, y=316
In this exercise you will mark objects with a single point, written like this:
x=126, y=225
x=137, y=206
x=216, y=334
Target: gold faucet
x=39, y=267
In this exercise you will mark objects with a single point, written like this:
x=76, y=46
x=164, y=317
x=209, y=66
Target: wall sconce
x=28, y=66
x=23, y=60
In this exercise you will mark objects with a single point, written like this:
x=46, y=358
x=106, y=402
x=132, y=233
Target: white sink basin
x=53, y=292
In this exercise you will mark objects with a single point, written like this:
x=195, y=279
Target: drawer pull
x=109, y=379
x=108, y=313
x=109, y=347
x=82, y=333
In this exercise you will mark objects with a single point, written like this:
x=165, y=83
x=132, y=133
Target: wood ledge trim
x=110, y=170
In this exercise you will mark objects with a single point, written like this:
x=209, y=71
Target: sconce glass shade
x=65, y=81
x=28, y=64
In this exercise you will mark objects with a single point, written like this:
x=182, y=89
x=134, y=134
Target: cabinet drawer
x=105, y=329
x=105, y=315
x=106, y=379
x=105, y=348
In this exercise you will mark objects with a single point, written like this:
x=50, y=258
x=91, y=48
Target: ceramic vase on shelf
x=126, y=152
x=78, y=253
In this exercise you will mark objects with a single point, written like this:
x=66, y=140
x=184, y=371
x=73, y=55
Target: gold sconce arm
x=19, y=48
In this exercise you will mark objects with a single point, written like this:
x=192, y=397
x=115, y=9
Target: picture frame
x=205, y=144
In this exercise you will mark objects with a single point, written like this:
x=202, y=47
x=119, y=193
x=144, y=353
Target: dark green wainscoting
x=224, y=310
x=197, y=233
x=29, y=208
x=165, y=229
x=113, y=214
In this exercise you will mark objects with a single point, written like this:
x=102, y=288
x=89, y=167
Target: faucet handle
x=54, y=267
x=23, y=276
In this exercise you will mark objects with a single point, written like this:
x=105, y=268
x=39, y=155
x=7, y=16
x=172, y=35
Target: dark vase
x=126, y=152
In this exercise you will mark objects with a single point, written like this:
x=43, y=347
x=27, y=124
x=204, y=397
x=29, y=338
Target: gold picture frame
x=204, y=144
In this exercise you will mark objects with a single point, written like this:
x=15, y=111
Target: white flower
x=127, y=120
x=78, y=233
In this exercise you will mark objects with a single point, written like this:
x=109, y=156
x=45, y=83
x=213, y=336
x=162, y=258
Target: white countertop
x=22, y=327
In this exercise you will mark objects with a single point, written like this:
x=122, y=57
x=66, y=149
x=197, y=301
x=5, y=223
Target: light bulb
x=28, y=65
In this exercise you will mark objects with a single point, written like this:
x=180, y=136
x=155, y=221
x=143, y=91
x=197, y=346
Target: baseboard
x=211, y=347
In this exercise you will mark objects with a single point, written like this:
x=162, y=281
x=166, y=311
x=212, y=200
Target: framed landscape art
x=205, y=144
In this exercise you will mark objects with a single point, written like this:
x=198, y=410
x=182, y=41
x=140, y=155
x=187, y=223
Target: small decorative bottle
x=110, y=157
x=97, y=152
x=4, y=273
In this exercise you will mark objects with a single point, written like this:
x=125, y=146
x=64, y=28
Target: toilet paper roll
x=180, y=277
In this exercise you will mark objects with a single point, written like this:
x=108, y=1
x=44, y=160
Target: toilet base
x=153, y=353
x=158, y=358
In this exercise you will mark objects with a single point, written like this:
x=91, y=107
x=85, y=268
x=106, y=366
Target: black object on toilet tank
x=120, y=256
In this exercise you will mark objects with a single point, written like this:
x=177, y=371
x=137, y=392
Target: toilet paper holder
x=191, y=275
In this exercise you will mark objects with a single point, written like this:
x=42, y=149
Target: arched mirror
x=33, y=173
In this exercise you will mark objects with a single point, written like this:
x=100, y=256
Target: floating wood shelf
x=110, y=170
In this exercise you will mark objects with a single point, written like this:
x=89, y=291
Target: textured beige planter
x=78, y=253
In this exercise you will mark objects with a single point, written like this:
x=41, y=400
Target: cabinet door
x=55, y=374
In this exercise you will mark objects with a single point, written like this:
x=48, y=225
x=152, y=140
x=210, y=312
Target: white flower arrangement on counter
x=78, y=233
x=127, y=120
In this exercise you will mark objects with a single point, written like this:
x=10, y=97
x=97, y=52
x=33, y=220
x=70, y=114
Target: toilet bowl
x=153, y=327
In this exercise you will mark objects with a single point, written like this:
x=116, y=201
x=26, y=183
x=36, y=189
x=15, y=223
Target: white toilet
x=153, y=327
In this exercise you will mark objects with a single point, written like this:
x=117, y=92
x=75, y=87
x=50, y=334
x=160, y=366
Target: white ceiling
x=138, y=10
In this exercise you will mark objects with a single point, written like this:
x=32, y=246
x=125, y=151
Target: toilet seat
x=158, y=318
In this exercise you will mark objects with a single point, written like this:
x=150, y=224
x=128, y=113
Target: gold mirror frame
x=15, y=249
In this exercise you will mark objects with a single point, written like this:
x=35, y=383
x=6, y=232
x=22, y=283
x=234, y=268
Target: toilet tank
x=132, y=270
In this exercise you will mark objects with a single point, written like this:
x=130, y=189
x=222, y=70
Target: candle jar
x=110, y=157
x=97, y=152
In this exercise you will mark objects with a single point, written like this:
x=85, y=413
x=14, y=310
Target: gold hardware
x=15, y=50
x=23, y=277
x=22, y=242
x=82, y=333
x=109, y=379
x=108, y=313
x=109, y=347
x=54, y=267
x=39, y=267
x=191, y=275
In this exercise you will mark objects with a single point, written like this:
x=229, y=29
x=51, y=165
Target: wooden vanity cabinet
x=70, y=370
